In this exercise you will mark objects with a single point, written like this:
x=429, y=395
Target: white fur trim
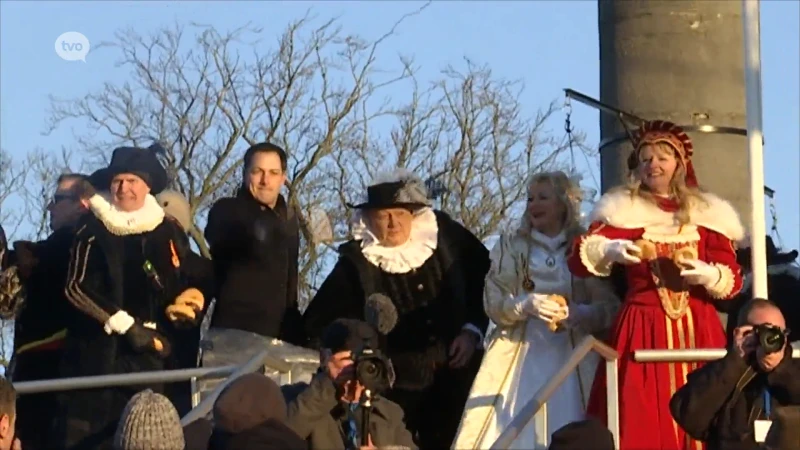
x=421, y=244
x=723, y=288
x=124, y=223
x=618, y=209
x=119, y=323
x=592, y=253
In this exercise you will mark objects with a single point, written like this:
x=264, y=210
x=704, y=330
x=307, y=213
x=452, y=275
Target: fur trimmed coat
x=512, y=345
x=120, y=262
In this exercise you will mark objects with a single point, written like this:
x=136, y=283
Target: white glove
x=622, y=251
x=540, y=306
x=700, y=273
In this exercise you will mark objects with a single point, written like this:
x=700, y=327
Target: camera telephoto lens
x=771, y=338
x=372, y=371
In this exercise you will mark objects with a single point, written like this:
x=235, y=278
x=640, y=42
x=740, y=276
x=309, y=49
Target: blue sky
x=550, y=45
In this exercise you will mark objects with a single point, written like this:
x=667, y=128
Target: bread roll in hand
x=684, y=254
x=561, y=302
x=649, y=251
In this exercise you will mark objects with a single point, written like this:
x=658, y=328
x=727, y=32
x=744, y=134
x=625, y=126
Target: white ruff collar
x=123, y=223
x=421, y=244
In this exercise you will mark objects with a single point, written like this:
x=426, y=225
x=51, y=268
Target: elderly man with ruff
x=129, y=294
x=432, y=270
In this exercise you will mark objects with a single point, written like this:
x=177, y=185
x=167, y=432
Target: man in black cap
x=329, y=412
x=127, y=286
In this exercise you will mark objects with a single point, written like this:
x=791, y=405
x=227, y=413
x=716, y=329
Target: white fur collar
x=618, y=209
x=123, y=223
x=404, y=258
x=551, y=243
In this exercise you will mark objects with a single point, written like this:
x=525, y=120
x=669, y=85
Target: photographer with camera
x=342, y=407
x=728, y=403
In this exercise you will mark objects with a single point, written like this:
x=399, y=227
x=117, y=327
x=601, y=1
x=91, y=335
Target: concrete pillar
x=681, y=61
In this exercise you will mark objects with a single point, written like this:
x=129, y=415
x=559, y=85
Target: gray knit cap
x=149, y=422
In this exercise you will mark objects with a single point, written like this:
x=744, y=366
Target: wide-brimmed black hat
x=398, y=189
x=774, y=256
x=141, y=162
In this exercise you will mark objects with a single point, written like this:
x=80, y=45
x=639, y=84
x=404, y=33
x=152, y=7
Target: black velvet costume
x=434, y=302
x=120, y=264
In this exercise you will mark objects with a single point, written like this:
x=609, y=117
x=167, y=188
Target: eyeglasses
x=58, y=198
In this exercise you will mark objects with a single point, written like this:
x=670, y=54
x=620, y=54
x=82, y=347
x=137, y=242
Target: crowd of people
x=426, y=338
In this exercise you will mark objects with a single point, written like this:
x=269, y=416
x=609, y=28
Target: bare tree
x=321, y=94
x=467, y=135
x=13, y=175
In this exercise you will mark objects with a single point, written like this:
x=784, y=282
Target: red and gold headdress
x=661, y=131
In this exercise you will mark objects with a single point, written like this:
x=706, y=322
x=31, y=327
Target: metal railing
x=688, y=355
x=542, y=396
x=255, y=363
x=123, y=379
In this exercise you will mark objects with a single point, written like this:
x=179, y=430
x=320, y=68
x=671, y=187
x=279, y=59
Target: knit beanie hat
x=149, y=422
x=248, y=401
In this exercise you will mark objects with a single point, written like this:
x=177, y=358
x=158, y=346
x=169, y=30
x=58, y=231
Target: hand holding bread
x=556, y=320
x=682, y=255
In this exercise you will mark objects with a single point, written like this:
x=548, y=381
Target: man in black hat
x=430, y=271
x=127, y=286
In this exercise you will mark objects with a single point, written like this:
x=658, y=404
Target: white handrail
x=526, y=414
x=687, y=355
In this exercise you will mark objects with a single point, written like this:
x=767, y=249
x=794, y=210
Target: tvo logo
x=72, y=46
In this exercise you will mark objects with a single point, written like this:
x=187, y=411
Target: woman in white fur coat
x=529, y=268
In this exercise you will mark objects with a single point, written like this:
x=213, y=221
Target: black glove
x=144, y=339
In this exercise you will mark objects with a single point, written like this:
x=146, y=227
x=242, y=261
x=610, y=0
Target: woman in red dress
x=676, y=245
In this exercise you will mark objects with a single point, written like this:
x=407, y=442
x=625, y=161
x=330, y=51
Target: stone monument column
x=681, y=61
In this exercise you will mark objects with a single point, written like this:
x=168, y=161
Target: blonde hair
x=684, y=195
x=570, y=196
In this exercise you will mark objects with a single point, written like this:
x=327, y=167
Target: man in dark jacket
x=39, y=327
x=722, y=402
x=254, y=242
x=127, y=286
x=424, y=273
x=329, y=411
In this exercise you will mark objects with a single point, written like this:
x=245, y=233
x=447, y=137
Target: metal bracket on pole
x=709, y=129
x=636, y=120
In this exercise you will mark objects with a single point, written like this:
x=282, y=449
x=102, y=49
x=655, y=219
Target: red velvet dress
x=659, y=311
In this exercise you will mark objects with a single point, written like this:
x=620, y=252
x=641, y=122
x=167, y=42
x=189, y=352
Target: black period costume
x=435, y=281
x=125, y=270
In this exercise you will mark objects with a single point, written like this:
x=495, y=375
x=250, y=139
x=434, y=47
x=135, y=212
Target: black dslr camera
x=373, y=370
x=772, y=339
